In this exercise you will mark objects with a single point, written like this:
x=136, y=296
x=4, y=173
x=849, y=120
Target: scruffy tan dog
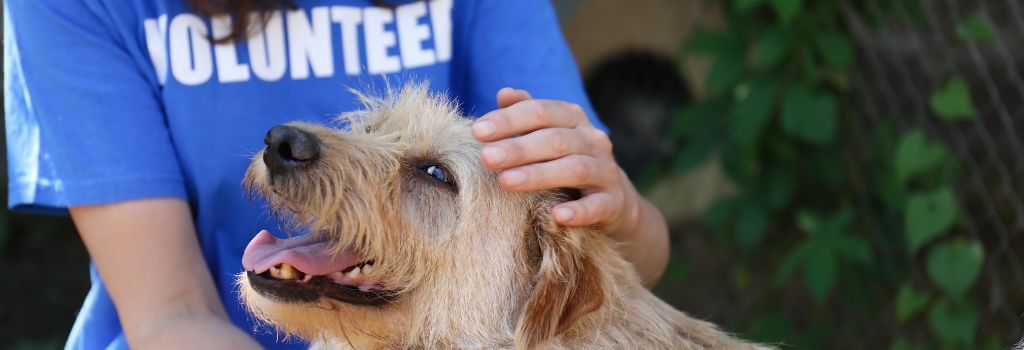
x=413, y=245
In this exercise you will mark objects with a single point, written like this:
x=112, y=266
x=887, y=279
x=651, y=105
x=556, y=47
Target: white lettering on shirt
x=348, y=19
x=411, y=35
x=441, y=21
x=191, y=58
x=228, y=68
x=301, y=43
x=156, y=43
x=379, y=40
x=309, y=44
x=266, y=49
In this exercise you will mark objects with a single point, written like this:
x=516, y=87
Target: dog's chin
x=311, y=289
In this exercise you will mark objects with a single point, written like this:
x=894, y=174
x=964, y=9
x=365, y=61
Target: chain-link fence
x=911, y=52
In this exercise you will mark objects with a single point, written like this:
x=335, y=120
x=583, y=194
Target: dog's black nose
x=289, y=147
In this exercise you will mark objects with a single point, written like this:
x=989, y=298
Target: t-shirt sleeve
x=518, y=43
x=84, y=120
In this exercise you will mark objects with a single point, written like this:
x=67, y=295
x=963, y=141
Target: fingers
x=558, y=149
x=509, y=96
x=538, y=146
x=574, y=171
x=527, y=116
x=595, y=208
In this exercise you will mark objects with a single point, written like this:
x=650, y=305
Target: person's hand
x=543, y=144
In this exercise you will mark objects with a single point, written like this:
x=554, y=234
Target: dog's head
x=411, y=240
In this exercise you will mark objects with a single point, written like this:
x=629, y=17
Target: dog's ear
x=568, y=284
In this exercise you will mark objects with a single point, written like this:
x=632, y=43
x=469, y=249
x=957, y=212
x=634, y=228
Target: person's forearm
x=148, y=256
x=643, y=238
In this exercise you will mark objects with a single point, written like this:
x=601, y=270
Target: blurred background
x=837, y=174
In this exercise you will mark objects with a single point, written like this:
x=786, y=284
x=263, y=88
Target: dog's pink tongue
x=306, y=253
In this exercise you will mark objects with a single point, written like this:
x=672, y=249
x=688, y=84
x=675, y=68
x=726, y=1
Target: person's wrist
x=193, y=331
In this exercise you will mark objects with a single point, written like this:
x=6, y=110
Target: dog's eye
x=437, y=173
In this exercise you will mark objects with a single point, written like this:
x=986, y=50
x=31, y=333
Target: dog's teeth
x=354, y=273
x=367, y=268
x=288, y=272
x=275, y=272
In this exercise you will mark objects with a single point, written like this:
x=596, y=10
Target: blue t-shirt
x=115, y=100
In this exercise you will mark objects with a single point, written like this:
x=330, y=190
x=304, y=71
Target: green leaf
x=726, y=70
x=809, y=65
x=927, y=215
x=710, y=42
x=808, y=221
x=808, y=115
x=750, y=226
x=820, y=274
x=909, y=302
x=695, y=119
x=772, y=47
x=752, y=113
x=902, y=343
x=746, y=5
x=794, y=259
x=975, y=28
x=853, y=248
x=695, y=153
x=835, y=49
x=722, y=212
x=954, y=323
x=787, y=9
x=955, y=265
x=915, y=156
x=836, y=224
x=953, y=102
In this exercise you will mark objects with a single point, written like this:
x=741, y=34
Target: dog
x=412, y=244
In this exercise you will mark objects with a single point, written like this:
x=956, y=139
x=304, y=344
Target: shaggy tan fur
x=476, y=267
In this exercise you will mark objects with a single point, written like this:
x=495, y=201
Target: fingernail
x=494, y=155
x=563, y=214
x=514, y=177
x=506, y=89
x=483, y=128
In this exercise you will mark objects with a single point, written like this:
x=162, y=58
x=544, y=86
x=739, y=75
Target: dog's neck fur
x=629, y=316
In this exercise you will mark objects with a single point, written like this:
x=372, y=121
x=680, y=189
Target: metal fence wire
x=910, y=54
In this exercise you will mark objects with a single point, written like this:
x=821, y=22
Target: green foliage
x=953, y=102
x=928, y=215
x=808, y=115
x=954, y=323
x=955, y=265
x=915, y=156
x=909, y=302
x=902, y=343
x=819, y=255
x=841, y=230
x=976, y=28
x=787, y=9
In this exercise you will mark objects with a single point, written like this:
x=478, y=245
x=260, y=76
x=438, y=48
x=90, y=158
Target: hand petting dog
x=558, y=147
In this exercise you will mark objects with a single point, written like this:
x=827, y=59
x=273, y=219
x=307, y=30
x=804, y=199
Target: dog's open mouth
x=305, y=268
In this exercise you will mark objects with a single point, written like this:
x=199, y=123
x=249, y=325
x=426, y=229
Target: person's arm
x=148, y=256
x=559, y=147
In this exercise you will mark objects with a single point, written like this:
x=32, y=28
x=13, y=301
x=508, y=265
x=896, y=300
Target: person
x=138, y=117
